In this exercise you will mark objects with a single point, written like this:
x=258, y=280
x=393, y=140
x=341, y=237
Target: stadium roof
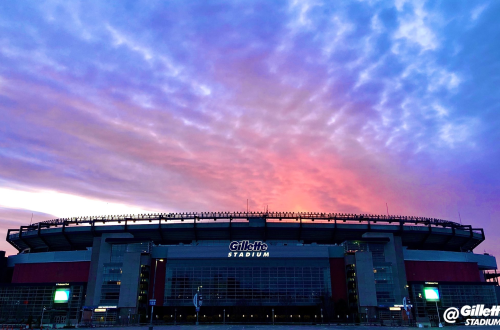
x=308, y=227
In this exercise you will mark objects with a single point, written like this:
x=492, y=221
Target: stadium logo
x=478, y=311
x=245, y=249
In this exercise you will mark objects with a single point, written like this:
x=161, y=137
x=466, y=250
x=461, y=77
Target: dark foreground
x=287, y=327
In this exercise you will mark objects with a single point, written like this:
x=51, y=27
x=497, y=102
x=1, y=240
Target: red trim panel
x=159, y=286
x=337, y=276
x=442, y=271
x=51, y=272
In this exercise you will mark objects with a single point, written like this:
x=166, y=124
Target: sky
x=175, y=106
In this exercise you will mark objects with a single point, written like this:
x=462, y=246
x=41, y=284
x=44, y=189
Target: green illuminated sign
x=431, y=294
x=61, y=295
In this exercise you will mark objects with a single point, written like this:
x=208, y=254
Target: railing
x=245, y=215
x=234, y=217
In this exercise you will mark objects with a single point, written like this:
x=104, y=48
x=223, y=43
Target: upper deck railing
x=244, y=216
x=161, y=221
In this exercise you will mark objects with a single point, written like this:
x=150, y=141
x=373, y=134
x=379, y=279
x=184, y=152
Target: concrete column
x=367, y=294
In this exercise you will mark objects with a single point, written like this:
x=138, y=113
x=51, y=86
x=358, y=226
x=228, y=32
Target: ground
x=285, y=327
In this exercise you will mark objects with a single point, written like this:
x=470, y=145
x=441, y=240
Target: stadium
x=260, y=267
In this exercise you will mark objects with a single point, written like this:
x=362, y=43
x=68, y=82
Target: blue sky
x=300, y=105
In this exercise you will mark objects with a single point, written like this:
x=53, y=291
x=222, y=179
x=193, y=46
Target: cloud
x=415, y=27
x=178, y=106
x=476, y=12
x=63, y=205
x=458, y=134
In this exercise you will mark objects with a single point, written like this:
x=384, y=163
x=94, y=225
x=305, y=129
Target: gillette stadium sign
x=245, y=249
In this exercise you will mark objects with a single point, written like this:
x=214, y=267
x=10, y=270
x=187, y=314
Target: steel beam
x=265, y=229
x=472, y=238
x=448, y=239
x=429, y=233
x=66, y=236
x=39, y=234
x=195, y=230
x=159, y=229
x=22, y=239
x=334, y=235
x=92, y=228
x=300, y=229
x=18, y=248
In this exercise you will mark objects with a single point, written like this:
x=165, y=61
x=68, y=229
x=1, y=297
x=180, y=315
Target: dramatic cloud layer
x=303, y=105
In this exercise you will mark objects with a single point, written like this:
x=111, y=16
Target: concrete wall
x=92, y=276
x=130, y=279
x=393, y=251
x=336, y=251
x=101, y=254
x=367, y=294
x=401, y=276
x=217, y=252
x=41, y=257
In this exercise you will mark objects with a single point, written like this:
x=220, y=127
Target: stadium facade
x=247, y=267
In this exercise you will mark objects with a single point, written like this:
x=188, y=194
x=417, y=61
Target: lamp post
x=197, y=300
x=224, y=320
x=152, y=305
x=273, y=316
x=41, y=320
x=439, y=317
x=17, y=311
